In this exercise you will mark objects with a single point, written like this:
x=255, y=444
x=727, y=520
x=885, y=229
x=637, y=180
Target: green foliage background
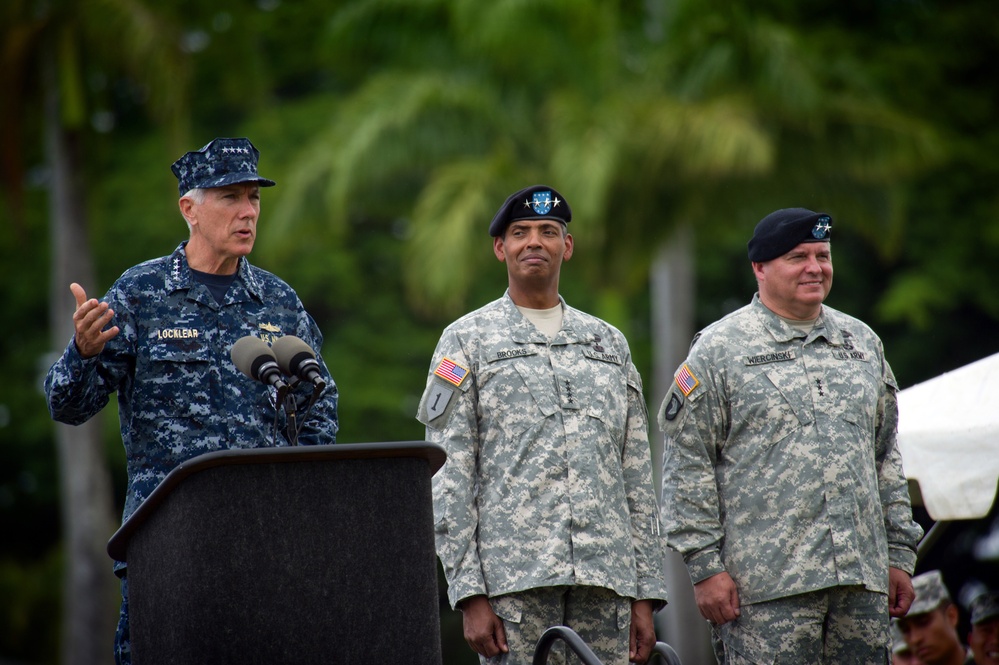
x=370, y=115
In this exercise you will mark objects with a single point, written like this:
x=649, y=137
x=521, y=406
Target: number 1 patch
x=437, y=400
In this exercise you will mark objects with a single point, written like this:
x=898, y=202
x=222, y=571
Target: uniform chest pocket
x=513, y=395
x=173, y=381
x=603, y=392
x=857, y=391
x=766, y=410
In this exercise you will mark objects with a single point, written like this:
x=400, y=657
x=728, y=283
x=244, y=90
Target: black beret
x=534, y=202
x=783, y=230
x=220, y=163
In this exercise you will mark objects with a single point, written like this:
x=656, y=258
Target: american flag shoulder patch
x=451, y=371
x=686, y=380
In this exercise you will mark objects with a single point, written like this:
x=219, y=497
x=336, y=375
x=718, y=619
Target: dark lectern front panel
x=330, y=561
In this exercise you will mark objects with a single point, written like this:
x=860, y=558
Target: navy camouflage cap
x=783, y=230
x=220, y=163
x=984, y=607
x=534, y=202
x=931, y=592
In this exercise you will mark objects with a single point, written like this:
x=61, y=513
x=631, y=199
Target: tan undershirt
x=804, y=326
x=548, y=321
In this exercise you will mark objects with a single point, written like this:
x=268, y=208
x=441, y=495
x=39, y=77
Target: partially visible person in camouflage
x=544, y=511
x=901, y=652
x=984, y=636
x=930, y=627
x=162, y=335
x=782, y=484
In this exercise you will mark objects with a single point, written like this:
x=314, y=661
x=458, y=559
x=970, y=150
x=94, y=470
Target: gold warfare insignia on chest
x=269, y=332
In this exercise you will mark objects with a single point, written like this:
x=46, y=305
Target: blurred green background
x=395, y=128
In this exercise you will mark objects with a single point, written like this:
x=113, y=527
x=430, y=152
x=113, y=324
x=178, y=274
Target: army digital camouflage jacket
x=548, y=475
x=179, y=395
x=780, y=465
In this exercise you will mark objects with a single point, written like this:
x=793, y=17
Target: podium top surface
x=433, y=453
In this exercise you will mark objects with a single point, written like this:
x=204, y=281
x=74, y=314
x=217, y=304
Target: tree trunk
x=86, y=498
x=680, y=622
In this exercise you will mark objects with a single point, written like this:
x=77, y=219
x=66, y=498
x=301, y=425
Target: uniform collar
x=180, y=276
x=575, y=329
x=783, y=333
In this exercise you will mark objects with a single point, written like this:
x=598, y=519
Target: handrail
x=572, y=640
x=586, y=655
x=667, y=653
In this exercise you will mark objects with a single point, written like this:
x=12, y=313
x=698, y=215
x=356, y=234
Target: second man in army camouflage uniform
x=545, y=513
x=782, y=485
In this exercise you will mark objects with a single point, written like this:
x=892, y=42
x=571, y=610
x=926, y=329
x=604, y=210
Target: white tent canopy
x=948, y=434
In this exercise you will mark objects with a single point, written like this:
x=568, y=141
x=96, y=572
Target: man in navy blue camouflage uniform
x=162, y=335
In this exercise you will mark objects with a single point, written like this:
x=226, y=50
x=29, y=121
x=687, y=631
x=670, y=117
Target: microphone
x=297, y=358
x=254, y=358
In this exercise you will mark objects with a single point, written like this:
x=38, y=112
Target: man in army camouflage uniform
x=162, y=335
x=930, y=627
x=782, y=485
x=544, y=510
x=984, y=636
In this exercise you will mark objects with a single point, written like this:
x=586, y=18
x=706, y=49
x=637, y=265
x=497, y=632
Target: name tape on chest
x=766, y=358
x=178, y=333
x=603, y=356
x=789, y=355
x=451, y=371
x=520, y=352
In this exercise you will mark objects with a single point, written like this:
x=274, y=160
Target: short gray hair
x=198, y=196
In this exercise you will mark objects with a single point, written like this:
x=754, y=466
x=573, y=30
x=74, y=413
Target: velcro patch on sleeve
x=686, y=381
x=436, y=402
x=451, y=371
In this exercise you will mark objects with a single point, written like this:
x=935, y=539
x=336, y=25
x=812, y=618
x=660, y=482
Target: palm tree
x=53, y=43
x=660, y=123
x=495, y=98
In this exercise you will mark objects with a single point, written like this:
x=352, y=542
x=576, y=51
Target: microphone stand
x=286, y=397
x=289, y=409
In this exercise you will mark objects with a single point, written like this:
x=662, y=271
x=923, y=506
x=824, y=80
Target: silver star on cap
x=529, y=203
x=821, y=229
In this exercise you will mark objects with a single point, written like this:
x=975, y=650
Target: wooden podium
x=309, y=554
